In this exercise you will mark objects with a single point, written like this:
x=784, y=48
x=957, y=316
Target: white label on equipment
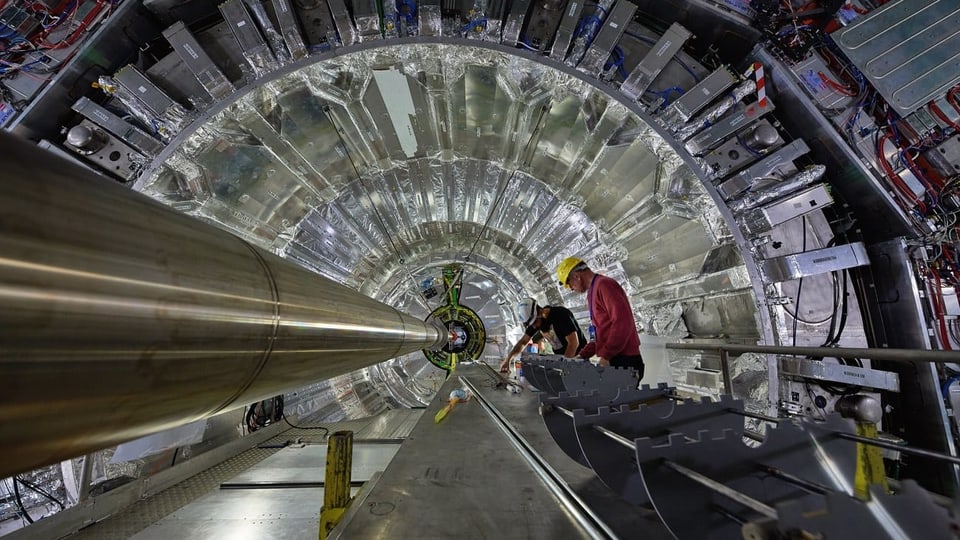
x=142, y=89
x=614, y=25
x=663, y=49
x=190, y=51
x=241, y=23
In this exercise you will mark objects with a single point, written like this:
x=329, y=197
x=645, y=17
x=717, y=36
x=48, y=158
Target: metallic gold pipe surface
x=120, y=317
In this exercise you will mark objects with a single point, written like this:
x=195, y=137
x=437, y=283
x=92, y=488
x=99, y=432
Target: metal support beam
x=122, y=317
x=894, y=355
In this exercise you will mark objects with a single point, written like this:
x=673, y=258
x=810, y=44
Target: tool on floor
x=456, y=396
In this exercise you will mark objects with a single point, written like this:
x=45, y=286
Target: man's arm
x=573, y=343
x=505, y=365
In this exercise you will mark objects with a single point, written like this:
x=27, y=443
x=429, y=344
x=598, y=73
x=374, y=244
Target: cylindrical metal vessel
x=120, y=317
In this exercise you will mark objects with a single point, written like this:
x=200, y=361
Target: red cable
x=935, y=109
x=69, y=40
x=953, y=264
x=849, y=88
x=931, y=183
x=838, y=87
x=857, y=9
x=952, y=97
x=939, y=308
x=895, y=178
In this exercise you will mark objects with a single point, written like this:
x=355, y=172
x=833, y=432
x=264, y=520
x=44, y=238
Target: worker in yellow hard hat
x=613, y=330
x=567, y=266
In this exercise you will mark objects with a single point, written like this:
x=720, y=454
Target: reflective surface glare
x=376, y=168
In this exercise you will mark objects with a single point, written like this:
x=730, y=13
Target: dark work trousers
x=634, y=361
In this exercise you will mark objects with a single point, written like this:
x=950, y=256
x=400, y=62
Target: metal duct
x=122, y=317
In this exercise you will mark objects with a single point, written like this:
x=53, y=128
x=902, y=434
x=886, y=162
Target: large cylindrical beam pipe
x=120, y=317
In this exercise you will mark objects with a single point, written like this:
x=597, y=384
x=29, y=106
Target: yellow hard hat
x=564, y=268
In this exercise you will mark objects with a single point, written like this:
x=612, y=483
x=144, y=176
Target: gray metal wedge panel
x=341, y=18
x=819, y=261
x=607, y=38
x=568, y=25
x=714, y=135
x=511, y=29
x=367, y=19
x=254, y=47
x=289, y=29
x=143, y=88
x=653, y=63
x=197, y=60
x=700, y=95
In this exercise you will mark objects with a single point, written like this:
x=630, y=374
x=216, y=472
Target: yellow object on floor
x=458, y=395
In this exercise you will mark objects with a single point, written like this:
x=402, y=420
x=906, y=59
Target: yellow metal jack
x=336, y=488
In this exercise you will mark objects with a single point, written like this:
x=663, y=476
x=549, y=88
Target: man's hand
x=505, y=366
x=602, y=362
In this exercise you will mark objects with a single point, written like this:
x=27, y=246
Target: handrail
x=894, y=355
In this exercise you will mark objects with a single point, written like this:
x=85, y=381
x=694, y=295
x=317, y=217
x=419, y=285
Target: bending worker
x=613, y=330
x=555, y=323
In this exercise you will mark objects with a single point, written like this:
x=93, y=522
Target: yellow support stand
x=870, y=470
x=336, y=488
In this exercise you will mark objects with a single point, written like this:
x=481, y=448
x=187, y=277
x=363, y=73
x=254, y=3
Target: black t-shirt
x=559, y=323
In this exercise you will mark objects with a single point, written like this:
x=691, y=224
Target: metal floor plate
x=244, y=513
x=309, y=464
x=462, y=478
x=393, y=424
x=149, y=512
x=625, y=519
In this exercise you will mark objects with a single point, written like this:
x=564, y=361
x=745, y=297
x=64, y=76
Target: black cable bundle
x=264, y=413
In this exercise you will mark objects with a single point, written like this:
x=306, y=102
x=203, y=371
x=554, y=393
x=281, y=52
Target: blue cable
x=598, y=6
x=472, y=25
x=665, y=94
x=412, y=15
x=945, y=387
x=64, y=15
x=617, y=59
x=747, y=146
x=524, y=41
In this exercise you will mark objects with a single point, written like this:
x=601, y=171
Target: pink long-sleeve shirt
x=611, y=314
